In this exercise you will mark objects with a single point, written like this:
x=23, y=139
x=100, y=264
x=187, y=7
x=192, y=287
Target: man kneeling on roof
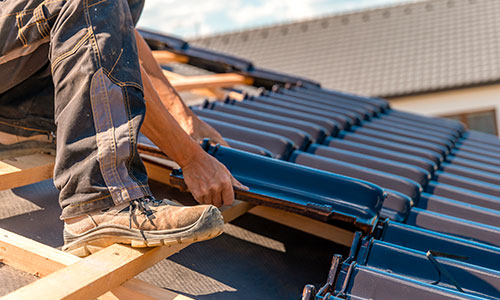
x=79, y=68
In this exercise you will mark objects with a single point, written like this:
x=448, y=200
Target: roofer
x=77, y=64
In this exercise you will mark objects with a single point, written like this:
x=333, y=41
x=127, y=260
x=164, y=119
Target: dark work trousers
x=70, y=68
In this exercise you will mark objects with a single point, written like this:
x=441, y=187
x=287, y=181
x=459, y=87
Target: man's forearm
x=208, y=180
x=169, y=97
x=163, y=130
x=196, y=128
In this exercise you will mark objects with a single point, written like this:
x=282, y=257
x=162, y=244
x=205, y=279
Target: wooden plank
x=236, y=96
x=19, y=171
x=165, y=57
x=209, y=92
x=96, y=274
x=156, y=168
x=305, y=224
x=31, y=256
x=212, y=93
x=7, y=138
x=209, y=81
x=41, y=260
x=139, y=290
x=236, y=210
x=172, y=76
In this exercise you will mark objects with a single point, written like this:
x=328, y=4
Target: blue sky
x=188, y=18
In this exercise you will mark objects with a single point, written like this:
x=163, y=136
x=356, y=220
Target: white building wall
x=466, y=100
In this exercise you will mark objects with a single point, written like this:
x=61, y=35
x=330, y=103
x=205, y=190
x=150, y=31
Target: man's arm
x=195, y=127
x=208, y=180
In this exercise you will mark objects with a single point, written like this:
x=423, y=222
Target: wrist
x=193, y=152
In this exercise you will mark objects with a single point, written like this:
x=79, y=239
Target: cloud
x=274, y=11
x=189, y=18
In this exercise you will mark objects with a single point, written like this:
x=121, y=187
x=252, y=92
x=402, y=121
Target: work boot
x=142, y=223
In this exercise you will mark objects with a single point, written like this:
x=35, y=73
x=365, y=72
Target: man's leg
x=98, y=106
x=99, y=109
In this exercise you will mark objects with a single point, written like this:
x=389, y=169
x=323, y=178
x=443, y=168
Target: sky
x=190, y=18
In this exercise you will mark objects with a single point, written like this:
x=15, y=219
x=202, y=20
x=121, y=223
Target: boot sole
x=208, y=226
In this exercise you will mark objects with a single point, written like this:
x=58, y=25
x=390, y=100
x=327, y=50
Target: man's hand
x=209, y=181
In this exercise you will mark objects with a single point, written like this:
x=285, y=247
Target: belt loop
x=39, y=18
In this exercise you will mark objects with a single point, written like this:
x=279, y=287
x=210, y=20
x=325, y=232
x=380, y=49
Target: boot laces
x=142, y=205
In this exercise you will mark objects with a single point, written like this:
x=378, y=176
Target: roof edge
x=438, y=90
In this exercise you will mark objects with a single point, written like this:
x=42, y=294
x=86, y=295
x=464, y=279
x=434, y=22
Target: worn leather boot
x=142, y=223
